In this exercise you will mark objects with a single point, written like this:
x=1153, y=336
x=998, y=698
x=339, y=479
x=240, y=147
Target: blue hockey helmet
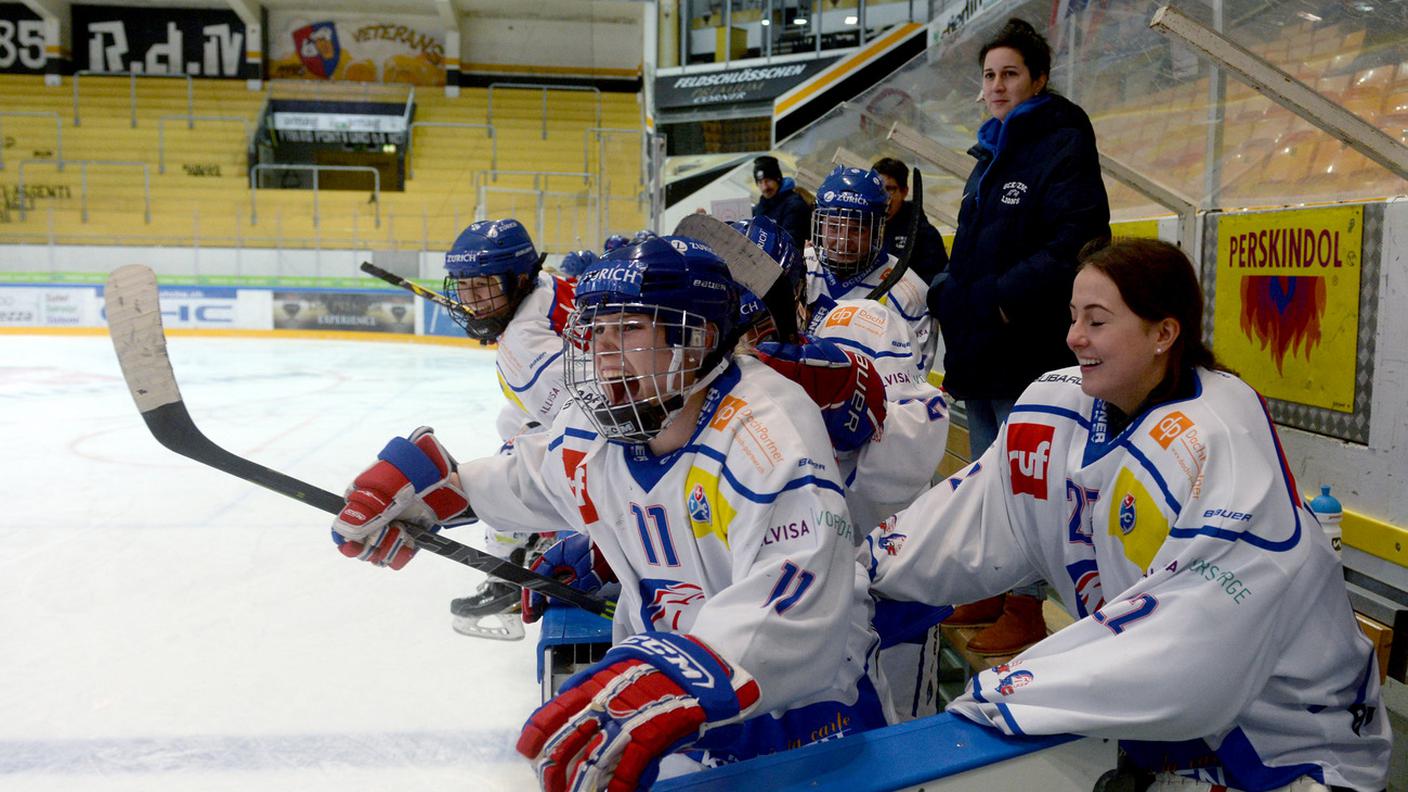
x=575, y=262
x=614, y=241
x=489, y=270
x=630, y=377
x=848, y=226
x=764, y=232
x=642, y=235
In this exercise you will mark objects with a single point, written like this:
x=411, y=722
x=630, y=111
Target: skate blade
x=494, y=626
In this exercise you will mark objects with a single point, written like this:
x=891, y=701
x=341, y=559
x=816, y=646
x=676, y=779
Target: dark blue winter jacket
x=1032, y=201
x=790, y=210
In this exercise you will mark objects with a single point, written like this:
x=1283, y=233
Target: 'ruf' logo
x=1029, y=454
x=577, y=482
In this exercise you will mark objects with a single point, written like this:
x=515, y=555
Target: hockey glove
x=574, y=561
x=651, y=695
x=845, y=385
x=410, y=483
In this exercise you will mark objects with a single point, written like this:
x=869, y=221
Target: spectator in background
x=1033, y=200
x=929, y=257
x=780, y=199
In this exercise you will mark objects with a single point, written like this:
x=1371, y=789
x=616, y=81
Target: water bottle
x=1329, y=511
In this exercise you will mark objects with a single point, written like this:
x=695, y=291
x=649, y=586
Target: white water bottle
x=1329, y=511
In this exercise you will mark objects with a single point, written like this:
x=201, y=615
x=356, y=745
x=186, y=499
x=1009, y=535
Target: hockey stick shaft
x=415, y=288
x=903, y=266
x=134, y=322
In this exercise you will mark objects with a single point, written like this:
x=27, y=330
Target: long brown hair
x=1156, y=280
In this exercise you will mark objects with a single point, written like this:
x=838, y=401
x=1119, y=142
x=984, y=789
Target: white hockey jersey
x=741, y=538
x=886, y=474
x=907, y=298
x=529, y=359
x=1215, y=637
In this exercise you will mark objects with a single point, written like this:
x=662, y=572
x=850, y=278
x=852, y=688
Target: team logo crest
x=891, y=543
x=698, y=505
x=668, y=605
x=1014, y=680
x=318, y=48
x=1090, y=595
x=1128, y=515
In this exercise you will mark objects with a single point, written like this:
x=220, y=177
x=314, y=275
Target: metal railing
x=539, y=177
x=544, y=87
x=190, y=124
x=410, y=136
x=58, y=131
x=132, y=91
x=83, y=194
x=587, y=218
x=316, y=169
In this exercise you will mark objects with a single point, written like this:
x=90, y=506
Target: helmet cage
x=485, y=317
x=847, y=240
x=628, y=405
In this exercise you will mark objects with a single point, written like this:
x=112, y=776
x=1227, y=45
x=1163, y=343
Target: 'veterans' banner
x=357, y=47
x=1287, y=310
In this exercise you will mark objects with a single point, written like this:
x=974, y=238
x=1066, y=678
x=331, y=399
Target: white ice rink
x=165, y=626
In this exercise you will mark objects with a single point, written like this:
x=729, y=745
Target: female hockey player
x=494, y=271
x=1215, y=639
x=708, y=484
x=846, y=257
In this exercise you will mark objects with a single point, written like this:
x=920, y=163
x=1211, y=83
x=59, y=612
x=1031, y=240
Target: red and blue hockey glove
x=651, y=695
x=845, y=385
x=410, y=483
x=574, y=561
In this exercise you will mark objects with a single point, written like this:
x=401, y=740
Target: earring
x=1159, y=350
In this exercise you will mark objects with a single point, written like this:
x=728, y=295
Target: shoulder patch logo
x=840, y=317
x=1170, y=427
x=1029, y=455
x=729, y=407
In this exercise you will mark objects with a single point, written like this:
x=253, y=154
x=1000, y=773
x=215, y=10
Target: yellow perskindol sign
x=1135, y=229
x=1286, y=313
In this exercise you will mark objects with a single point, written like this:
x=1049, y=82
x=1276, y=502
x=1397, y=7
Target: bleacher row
x=203, y=197
x=1269, y=156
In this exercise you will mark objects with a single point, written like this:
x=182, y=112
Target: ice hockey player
x=574, y=262
x=848, y=240
x=888, y=426
x=494, y=270
x=1215, y=638
x=706, y=482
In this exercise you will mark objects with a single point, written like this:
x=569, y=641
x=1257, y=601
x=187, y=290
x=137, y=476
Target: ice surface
x=165, y=626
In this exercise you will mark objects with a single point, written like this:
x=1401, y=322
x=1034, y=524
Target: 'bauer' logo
x=1029, y=454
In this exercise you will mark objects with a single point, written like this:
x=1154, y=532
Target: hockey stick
x=750, y=266
x=903, y=266
x=415, y=288
x=444, y=301
x=134, y=322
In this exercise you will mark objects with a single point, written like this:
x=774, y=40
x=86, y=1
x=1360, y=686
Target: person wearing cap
x=780, y=200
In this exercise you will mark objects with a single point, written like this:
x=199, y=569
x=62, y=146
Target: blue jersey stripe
x=536, y=374
x=762, y=497
x=1057, y=411
x=570, y=431
x=870, y=353
x=1011, y=721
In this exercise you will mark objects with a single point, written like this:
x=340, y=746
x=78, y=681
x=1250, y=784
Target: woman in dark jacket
x=1034, y=199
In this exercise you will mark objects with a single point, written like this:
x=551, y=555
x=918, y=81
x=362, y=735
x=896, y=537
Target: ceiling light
x=800, y=21
x=765, y=22
x=851, y=20
x=1307, y=16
